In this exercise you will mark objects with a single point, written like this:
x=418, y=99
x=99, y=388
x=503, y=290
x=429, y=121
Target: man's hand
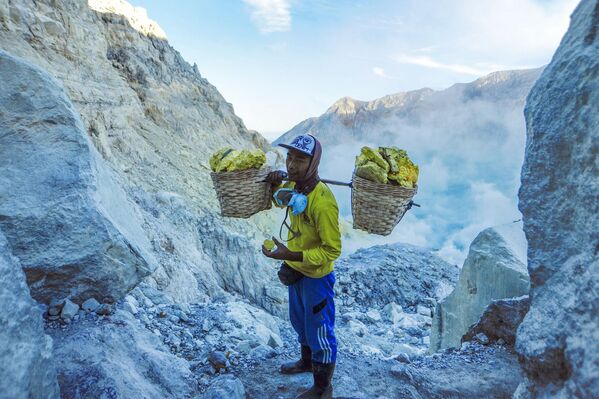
x=282, y=252
x=276, y=177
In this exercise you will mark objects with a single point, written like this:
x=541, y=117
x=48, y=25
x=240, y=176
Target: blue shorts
x=312, y=314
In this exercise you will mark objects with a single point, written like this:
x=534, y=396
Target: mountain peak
x=137, y=16
x=345, y=106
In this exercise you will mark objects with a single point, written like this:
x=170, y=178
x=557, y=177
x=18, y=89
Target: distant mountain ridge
x=468, y=141
x=357, y=116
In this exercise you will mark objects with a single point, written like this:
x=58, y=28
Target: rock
x=500, y=320
x=118, y=358
x=558, y=341
x=54, y=310
x=403, y=358
x=373, y=315
x=423, y=310
x=386, y=273
x=90, y=305
x=358, y=328
x=262, y=352
x=407, y=321
x=47, y=211
x=482, y=338
x=206, y=325
x=55, y=306
x=218, y=361
x=244, y=347
x=276, y=293
x=130, y=304
x=494, y=269
x=275, y=341
x=392, y=312
x=225, y=387
x=27, y=368
x=411, y=351
x=482, y=373
x=104, y=309
x=69, y=310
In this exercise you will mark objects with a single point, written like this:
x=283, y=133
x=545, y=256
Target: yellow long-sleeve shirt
x=320, y=239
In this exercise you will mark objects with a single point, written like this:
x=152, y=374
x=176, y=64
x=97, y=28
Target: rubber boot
x=322, y=388
x=303, y=365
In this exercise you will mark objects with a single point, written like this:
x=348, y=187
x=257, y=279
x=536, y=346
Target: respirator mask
x=290, y=198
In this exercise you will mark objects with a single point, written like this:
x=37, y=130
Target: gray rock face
x=494, y=269
x=500, y=320
x=26, y=364
x=558, y=341
x=73, y=229
x=118, y=358
x=155, y=120
x=225, y=387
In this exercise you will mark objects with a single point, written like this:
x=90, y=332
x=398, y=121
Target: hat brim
x=290, y=147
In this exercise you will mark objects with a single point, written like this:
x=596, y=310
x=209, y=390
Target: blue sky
x=281, y=61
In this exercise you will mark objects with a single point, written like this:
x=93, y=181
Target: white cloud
x=378, y=71
x=271, y=15
x=478, y=69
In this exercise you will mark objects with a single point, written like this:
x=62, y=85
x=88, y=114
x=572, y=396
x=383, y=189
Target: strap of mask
x=294, y=234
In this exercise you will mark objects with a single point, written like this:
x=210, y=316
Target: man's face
x=297, y=164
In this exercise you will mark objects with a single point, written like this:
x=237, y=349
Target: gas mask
x=290, y=198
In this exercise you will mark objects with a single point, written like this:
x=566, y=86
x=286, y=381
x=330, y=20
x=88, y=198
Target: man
x=314, y=242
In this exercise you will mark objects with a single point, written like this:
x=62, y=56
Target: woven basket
x=242, y=194
x=377, y=208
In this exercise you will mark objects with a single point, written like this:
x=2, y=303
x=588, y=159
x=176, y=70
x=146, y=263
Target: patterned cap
x=303, y=143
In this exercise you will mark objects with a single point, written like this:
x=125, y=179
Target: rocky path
x=476, y=371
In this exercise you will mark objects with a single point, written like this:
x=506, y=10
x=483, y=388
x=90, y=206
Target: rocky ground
x=247, y=368
x=231, y=349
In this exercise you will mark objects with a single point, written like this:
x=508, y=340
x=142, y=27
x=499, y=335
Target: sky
x=279, y=62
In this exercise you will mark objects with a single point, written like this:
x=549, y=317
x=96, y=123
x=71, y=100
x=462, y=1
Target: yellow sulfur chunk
x=269, y=244
x=373, y=172
x=392, y=155
x=367, y=154
x=407, y=175
x=230, y=160
x=218, y=156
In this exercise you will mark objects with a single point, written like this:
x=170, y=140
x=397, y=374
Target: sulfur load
x=230, y=160
x=387, y=165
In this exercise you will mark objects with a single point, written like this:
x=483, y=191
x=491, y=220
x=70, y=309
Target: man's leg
x=296, y=315
x=319, y=313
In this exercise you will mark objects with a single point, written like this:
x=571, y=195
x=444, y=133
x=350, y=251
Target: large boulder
x=495, y=268
x=74, y=230
x=26, y=363
x=558, y=341
x=500, y=320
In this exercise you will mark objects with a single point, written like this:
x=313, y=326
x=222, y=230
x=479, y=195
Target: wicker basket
x=242, y=194
x=377, y=208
